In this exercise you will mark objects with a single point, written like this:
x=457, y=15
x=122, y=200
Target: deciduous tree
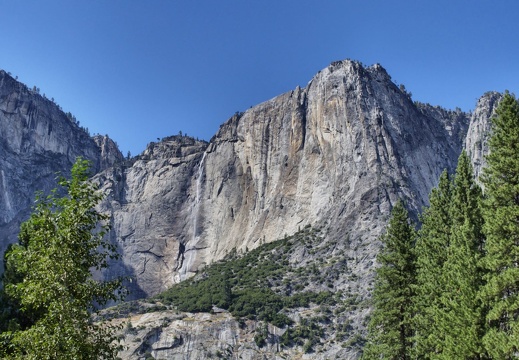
x=48, y=277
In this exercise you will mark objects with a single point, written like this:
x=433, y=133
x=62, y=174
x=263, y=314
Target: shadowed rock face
x=337, y=153
x=37, y=141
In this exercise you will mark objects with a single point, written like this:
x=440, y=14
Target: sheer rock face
x=337, y=153
x=151, y=205
x=37, y=141
x=479, y=130
x=108, y=152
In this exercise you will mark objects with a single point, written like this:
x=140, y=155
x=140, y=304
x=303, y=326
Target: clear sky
x=141, y=70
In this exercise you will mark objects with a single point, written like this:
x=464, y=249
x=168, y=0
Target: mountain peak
x=335, y=155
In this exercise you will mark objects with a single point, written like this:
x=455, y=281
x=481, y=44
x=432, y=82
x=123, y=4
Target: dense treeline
x=451, y=289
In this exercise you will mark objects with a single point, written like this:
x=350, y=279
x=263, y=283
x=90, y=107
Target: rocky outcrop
x=479, y=130
x=109, y=152
x=337, y=153
x=172, y=335
x=151, y=202
x=455, y=122
x=37, y=141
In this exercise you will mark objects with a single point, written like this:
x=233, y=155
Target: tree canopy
x=431, y=244
x=460, y=315
x=466, y=294
x=501, y=213
x=49, y=294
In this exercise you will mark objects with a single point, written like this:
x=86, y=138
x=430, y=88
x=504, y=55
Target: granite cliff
x=334, y=155
x=37, y=142
x=479, y=130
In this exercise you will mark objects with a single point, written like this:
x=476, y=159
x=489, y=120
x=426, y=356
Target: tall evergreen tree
x=460, y=318
x=390, y=328
x=431, y=253
x=501, y=214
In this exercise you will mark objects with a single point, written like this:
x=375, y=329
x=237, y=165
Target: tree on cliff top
x=49, y=294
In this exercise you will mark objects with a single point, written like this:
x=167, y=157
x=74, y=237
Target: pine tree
x=460, y=318
x=390, y=329
x=501, y=213
x=431, y=253
x=48, y=286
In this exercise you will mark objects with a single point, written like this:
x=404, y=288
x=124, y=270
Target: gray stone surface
x=37, y=142
x=336, y=154
x=479, y=130
x=180, y=336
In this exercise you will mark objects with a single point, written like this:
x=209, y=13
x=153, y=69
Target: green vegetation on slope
x=290, y=283
x=259, y=285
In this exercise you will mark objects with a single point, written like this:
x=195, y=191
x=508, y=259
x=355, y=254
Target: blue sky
x=142, y=70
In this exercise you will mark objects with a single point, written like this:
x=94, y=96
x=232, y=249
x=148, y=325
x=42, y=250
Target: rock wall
x=37, y=141
x=180, y=336
x=337, y=153
x=151, y=201
x=479, y=130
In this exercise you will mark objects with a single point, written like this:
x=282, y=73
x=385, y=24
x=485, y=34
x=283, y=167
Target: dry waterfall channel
x=185, y=256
